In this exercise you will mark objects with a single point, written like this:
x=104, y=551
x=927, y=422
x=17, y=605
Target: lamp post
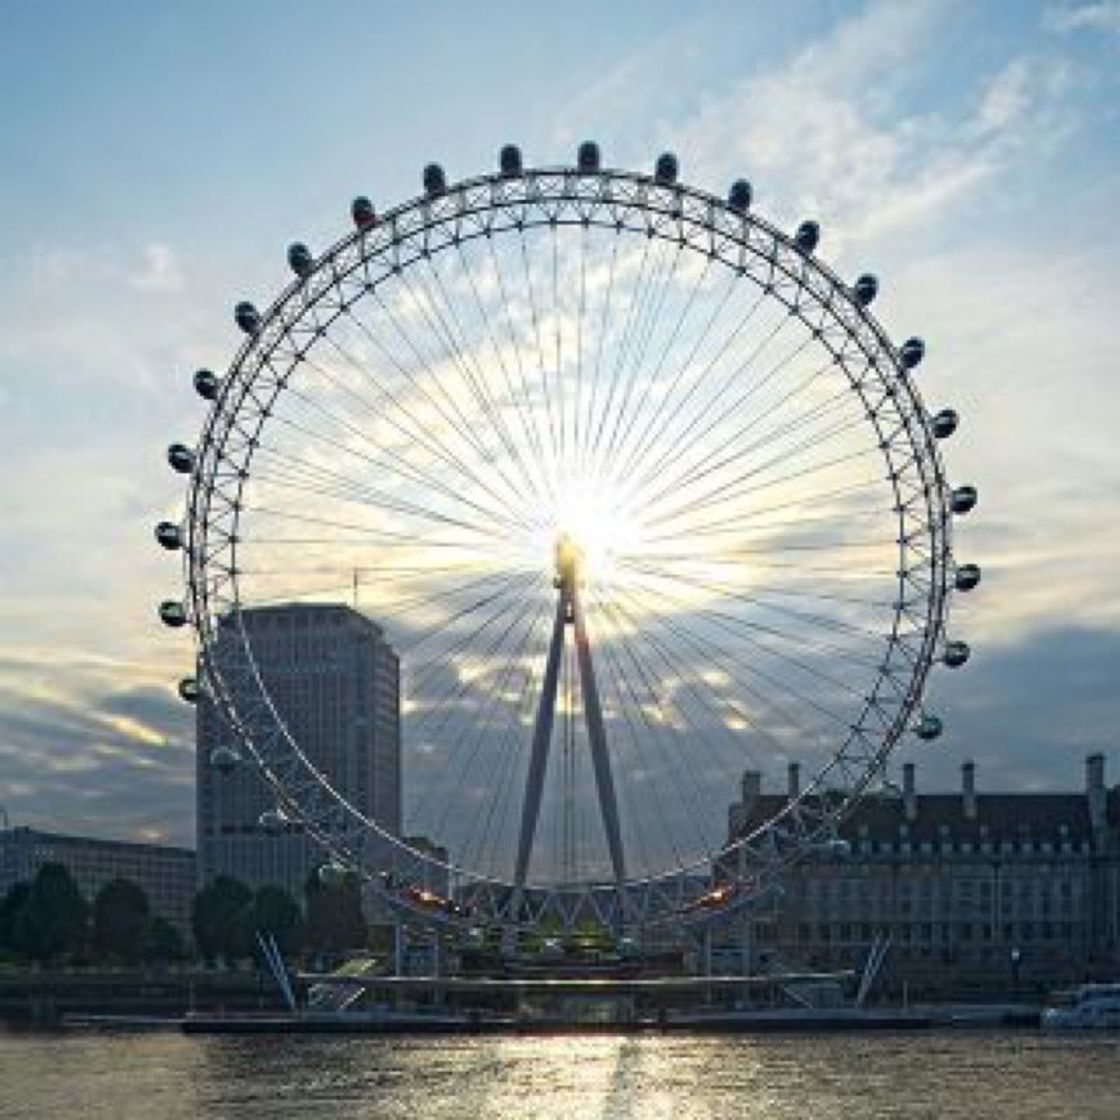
x=1016, y=961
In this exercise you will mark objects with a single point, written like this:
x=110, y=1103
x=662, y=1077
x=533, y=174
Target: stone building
x=978, y=893
x=167, y=875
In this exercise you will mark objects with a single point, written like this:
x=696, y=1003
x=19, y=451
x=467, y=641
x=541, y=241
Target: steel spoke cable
x=557, y=319
x=676, y=451
x=668, y=574
x=621, y=348
x=727, y=525
x=633, y=456
x=684, y=400
x=624, y=452
x=449, y=709
x=703, y=647
x=798, y=425
x=463, y=425
x=534, y=429
x=604, y=319
x=478, y=381
x=783, y=684
x=762, y=628
x=457, y=360
x=479, y=730
x=621, y=685
x=502, y=772
x=684, y=675
x=720, y=496
x=353, y=492
x=543, y=380
x=420, y=433
x=439, y=452
x=580, y=316
x=648, y=328
x=516, y=395
x=454, y=419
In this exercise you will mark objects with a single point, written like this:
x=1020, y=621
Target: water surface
x=1018, y=1076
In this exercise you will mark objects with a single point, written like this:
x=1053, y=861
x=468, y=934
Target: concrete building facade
x=977, y=892
x=168, y=876
x=335, y=681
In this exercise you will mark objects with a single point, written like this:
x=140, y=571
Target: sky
x=158, y=159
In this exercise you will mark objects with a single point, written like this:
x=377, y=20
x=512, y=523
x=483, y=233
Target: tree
x=120, y=919
x=10, y=906
x=221, y=916
x=162, y=942
x=334, y=915
x=54, y=918
x=275, y=911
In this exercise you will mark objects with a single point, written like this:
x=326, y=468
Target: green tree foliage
x=161, y=942
x=334, y=915
x=120, y=920
x=222, y=918
x=275, y=911
x=10, y=906
x=54, y=917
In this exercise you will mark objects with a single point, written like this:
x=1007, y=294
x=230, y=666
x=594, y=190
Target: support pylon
x=569, y=612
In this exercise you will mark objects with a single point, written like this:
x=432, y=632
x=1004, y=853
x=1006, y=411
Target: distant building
x=977, y=892
x=168, y=876
x=335, y=681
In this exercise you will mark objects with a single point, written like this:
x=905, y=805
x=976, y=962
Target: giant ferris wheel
x=644, y=497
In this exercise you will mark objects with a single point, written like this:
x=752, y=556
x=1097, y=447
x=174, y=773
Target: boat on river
x=1090, y=1007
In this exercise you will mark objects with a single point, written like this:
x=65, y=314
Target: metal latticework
x=719, y=421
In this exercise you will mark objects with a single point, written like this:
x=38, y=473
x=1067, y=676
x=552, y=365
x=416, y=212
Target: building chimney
x=909, y=797
x=739, y=812
x=794, y=782
x=968, y=790
x=1095, y=791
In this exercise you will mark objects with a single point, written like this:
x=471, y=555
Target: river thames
x=1023, y=1076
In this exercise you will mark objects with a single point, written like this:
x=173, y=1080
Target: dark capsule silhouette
x=206, y=385
x=807, y=237
x=588, y=158
x=435, y=182
x=169, y=535
x=865, y=290
x=967, y=577
x=509, y=161
x=362, y=212
x=912, y=352
x=666, y=169
x=739, y=196
x=944, y=424
x=300, y=260
x=963, y=499
x=172, y=613
x=181, y=458
x=247, y=317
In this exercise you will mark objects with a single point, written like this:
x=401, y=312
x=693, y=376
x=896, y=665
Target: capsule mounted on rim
x=300, y=260
x=807, y=237
x=956, y=654
x=928, y=728
x=666, y=169
x=189, y=690
x=865, y=289
x=169, y=535
x=172, y=613
x=362, y=213
x=435, y=181
x=588, y=159
x=944, y=424
x=912, y=352
x=967, y=576
x=963, y=499
x=224, y=759
x=739, y=196
x=206, y=385
x=181, y=458
x=509, y=161
x=247, y=317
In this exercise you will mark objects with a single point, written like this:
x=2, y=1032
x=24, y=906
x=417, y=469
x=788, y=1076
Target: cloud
x=160, y=270
x=1101, y=16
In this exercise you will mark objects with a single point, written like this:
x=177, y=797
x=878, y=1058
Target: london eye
x=642, y=493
